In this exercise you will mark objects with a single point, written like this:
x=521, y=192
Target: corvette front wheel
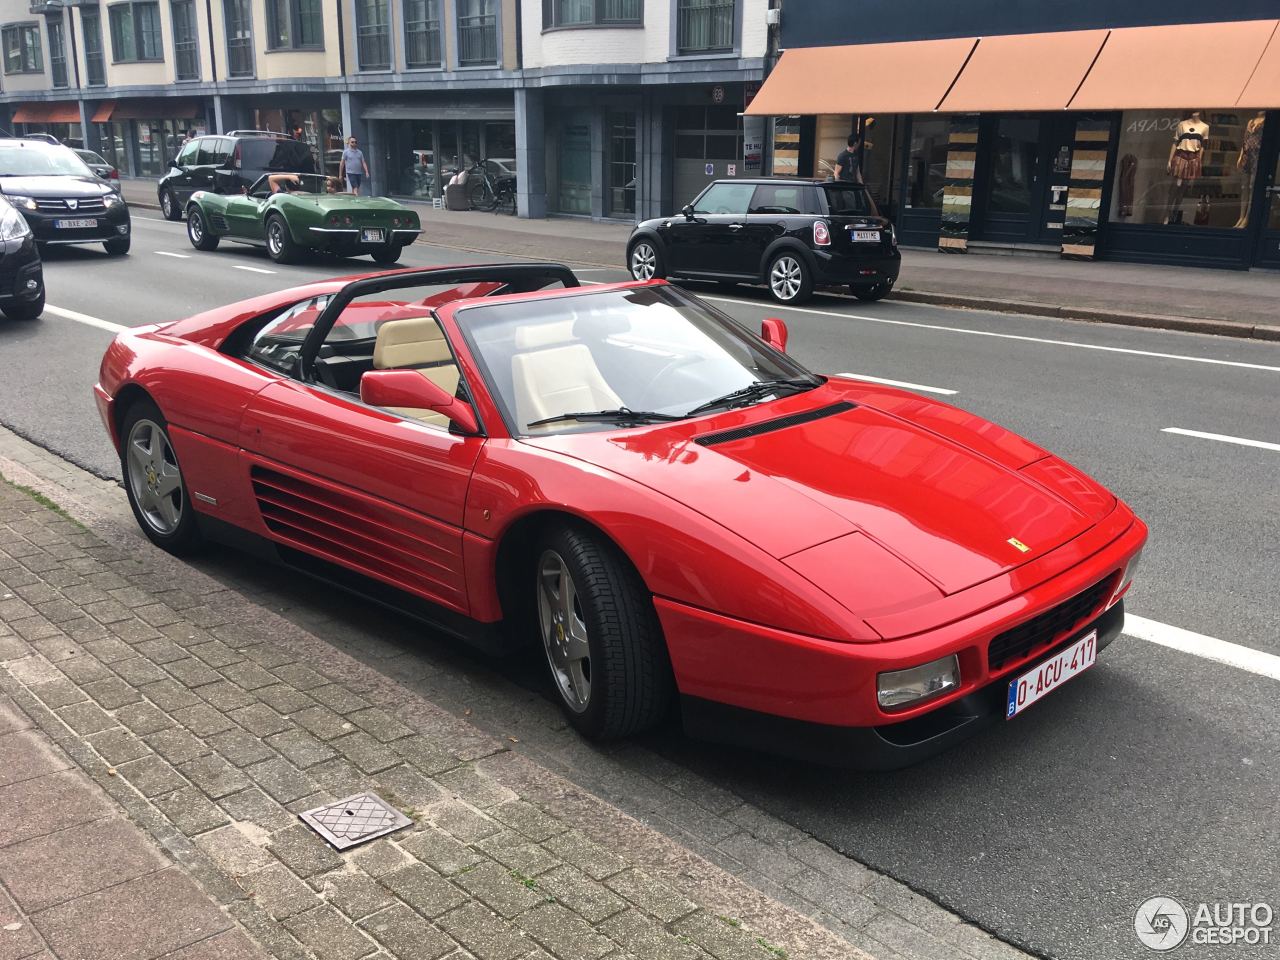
x=198, y=231
x=603, y=643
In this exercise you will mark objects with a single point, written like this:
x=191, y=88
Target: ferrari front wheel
x=280, y=245
x=198, y=231
x=153, y=480
x=604, y=646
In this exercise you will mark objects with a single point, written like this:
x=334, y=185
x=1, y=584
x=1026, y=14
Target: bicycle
x=490, y=193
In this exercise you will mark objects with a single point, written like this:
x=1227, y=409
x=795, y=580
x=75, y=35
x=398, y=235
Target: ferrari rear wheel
x=280, y=245
x=198, y=231
x=388, y=254
x=604, y=646
x=154, y=482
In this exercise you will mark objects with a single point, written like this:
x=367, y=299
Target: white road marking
x=237, y=266
x=1209, y=648
x=1223, y=437
x=1009, y=336
x=84, y=318
x=899, y=383
x=166, y=253
x=134, y=216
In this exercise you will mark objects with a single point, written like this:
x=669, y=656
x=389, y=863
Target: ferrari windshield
x=600, y=360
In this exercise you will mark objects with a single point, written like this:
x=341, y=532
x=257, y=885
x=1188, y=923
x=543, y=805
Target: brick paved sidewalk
x=211, y=724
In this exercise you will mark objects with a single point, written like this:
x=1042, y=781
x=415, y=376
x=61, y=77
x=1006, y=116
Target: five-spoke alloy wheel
x=153, y=479
x=564, y=631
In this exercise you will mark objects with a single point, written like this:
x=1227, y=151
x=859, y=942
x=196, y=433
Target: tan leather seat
x=417, y=343
x=558, y=380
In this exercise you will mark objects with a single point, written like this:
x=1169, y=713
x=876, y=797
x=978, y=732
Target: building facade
x=1143, y=131
x=603, y=108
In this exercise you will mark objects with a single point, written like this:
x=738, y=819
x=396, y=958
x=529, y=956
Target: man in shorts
x=353, y=166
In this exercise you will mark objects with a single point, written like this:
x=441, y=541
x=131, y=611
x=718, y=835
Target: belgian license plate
x=866, y=236
x=74, y=224
x=371, y=236
x=1053, y=673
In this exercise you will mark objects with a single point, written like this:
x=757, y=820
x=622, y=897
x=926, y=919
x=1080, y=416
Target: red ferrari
x=672, y=506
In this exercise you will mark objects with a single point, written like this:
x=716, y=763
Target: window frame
x=294, y=19
x=388, y=45
x=679, y=52
x=552, y=20
x=230, y=8
x=55, y=25
x=194, y=39
x=99, y=55
x=135, y=25
x=435, y=15
x=461, y=12
x=23, y=31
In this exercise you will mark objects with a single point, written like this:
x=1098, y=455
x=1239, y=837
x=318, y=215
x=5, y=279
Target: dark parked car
x=792, y=234
x=101, y=168
x=61, y=199
x=21, y=277
x=226, y=163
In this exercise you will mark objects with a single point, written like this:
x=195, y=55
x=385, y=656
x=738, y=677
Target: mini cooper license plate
x=371, y=236
x=1051, y=674
x=866, y=236
x=74, y=224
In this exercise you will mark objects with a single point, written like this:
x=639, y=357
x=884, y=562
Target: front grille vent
x=84, y=205
x=1041, y=631
x=217, y=221
x=769, y=426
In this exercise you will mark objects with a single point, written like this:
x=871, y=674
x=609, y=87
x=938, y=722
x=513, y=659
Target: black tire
x=877, y=291
x=629, y=679
x=477, y=196
x=183, y=537
x=23, y=310
x=280, y=245
x=170, y=209
x=642, y=266
x=389, y=254
x=789, y=278
x=119, y=246
x=198, y=230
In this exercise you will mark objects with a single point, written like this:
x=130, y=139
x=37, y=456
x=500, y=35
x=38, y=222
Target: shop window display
x=927, y=166
x=1192, y=168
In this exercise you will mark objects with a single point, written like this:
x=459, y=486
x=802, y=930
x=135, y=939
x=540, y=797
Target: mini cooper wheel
x=645, y=262
x=389, y=254
x=280, y=245
x=153, y=480
x=789, y=278
x=604, y=647
x=198, y=231
x=169, y=205
x=877, y=291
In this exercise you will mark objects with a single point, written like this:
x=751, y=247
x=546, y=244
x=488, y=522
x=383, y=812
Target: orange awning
x=47, y=112
x=103, y=113
x=1029, y=71
x=1263, y=88
x=910, y=77
x=1180, y=66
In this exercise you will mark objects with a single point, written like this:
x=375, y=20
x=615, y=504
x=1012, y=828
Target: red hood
x=935, y=502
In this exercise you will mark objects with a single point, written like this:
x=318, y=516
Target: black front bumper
x=889, y=747
x=111, y=224
x=19, y=269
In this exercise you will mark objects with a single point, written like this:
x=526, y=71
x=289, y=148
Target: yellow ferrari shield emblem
x=1021, y=547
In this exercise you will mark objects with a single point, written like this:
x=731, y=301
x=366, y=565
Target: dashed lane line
x=1207, y=648
x=1222, y=437
x=166, y=253
x=84, y=318
x=240, y=266
x=900, y=383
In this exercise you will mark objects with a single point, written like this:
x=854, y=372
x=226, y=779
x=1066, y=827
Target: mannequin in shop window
x=1247, y=163
x=1186, y=162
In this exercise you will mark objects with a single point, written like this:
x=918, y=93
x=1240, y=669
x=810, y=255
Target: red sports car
x=673, y=506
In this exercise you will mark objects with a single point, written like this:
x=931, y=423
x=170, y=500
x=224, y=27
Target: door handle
x=736, y=226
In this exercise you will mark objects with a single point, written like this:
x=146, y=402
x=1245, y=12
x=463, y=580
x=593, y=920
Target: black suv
x=792, y=234
x=224, y=163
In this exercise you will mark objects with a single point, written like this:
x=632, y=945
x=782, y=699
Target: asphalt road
x=1158, y=772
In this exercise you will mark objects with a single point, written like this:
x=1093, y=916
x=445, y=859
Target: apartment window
x=135, y=32
x=294, y=24
x=91, y=26
x=186, y=42
x=477, y=33
x=57, y=53
x=239, y=23
x=422, y=33
x=704, y=26
x=580, y=13
x=22, y=48
x=373, y=34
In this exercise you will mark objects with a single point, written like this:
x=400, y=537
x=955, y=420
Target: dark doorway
x=1023, y=167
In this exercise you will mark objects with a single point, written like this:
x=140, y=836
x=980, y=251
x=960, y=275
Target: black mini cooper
x=792, y=234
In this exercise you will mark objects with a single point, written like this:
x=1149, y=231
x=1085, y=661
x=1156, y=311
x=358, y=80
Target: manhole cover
x=354, y=820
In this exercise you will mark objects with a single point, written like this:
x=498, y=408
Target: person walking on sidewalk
x=353, y=166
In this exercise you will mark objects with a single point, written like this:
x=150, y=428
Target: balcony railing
x=97, y=75
x=705, y=26
x=186, y=60
x=240, y=57
x=422, y=44
x=58, y=67
x=477, y=40
x=373, y=46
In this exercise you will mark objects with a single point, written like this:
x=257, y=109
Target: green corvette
x=294, y=212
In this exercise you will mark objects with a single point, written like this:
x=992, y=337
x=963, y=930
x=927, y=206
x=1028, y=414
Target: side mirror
x=774, y=332
x=687, y=210
x=409, y=388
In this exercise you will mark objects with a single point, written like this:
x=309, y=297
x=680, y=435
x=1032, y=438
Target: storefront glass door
x=1021, y=158
x=1266, y=160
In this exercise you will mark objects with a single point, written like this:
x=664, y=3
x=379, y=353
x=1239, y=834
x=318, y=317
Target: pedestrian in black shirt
x=849, y=162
